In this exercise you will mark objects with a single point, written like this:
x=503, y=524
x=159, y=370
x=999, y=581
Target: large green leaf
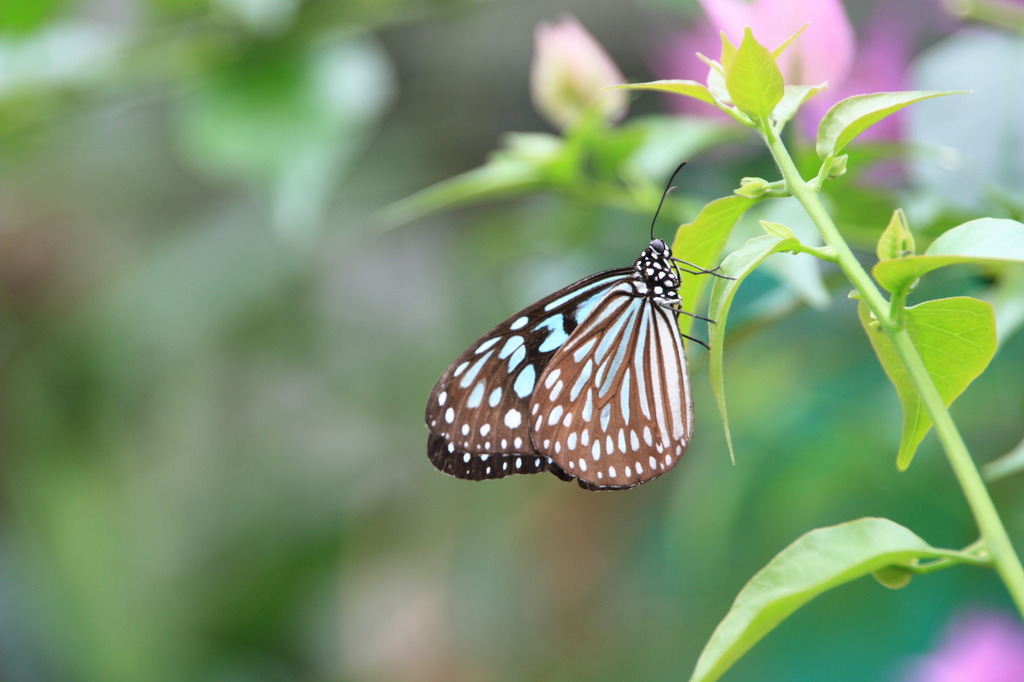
x=736, y=266
x=985, y=240
x=676, y=87
x=754, y=80
x=701, y=243
x=956, y=338
x=816, y=562
x=850, y=117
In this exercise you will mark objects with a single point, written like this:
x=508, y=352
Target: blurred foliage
x=212, y=365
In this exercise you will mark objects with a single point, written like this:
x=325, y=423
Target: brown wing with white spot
x=613, y=405
x=477, y=411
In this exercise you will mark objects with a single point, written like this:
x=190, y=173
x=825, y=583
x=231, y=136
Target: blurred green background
x=213, y=362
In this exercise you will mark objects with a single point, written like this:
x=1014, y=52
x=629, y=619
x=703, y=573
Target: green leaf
x=777, y=52
x=897, y=241
x=956, y=338
x=701, y=243
x=24, y=16
x=754, y=80
x=728, y=51
x=777, y=229
x=793, y=97
x=893, y=577
x=676, y=87
x=519, y=168
x=737, y=266
x=1007, y=465
x=985, y=240
x=817, y=561
x=850, y=117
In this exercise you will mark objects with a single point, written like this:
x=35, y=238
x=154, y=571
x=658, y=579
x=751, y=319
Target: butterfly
x=589, y=383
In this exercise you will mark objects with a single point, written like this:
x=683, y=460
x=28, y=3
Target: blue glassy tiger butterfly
x=589, y=383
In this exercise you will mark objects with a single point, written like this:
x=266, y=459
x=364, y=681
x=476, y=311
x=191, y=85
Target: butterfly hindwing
x=588, y=383
x=613, y=407
x=477, y=411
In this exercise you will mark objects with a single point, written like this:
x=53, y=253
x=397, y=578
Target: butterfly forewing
x=478, y=411
x=613, y=407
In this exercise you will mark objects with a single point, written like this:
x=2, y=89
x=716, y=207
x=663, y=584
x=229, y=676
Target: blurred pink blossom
x=823, y=52
x=569, y=70
x=978, y=646
x=883, y=54
x=826, y=50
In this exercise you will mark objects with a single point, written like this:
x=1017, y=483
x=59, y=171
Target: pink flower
x=883, y=54
x=823, y=52
x=569, y=70
x=978, y=646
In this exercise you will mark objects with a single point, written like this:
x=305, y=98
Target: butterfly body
x=589, y=383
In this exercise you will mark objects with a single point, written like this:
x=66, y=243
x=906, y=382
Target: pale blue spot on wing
x=624, y=396
x=495, y=397
x=562, y=300
x=470, y=376
x=606, y=415
x=477, y=396
x=525, y=382
x=582, y=351
x=556, y=334
x=520, y=323
x=620, y=354
x=487, y=344
x=601, y=369
x=582, y=380
x=517, y=358
x=638, y=362
x=587, y=306
x=626, y=312
x=510, y=346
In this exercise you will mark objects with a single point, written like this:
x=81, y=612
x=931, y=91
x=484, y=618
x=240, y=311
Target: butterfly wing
x=477, y=411
x=613, y=407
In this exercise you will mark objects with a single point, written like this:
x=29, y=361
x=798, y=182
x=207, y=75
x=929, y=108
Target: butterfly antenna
x=664, y=195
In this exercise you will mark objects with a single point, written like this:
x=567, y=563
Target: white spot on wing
x=512, y=418
x=554, y=415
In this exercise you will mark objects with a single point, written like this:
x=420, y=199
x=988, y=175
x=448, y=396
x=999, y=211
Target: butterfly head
x=656, y=273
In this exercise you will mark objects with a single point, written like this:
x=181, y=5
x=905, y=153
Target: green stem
x=997, y=542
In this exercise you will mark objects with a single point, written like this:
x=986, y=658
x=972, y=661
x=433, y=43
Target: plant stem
x=996, y=540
